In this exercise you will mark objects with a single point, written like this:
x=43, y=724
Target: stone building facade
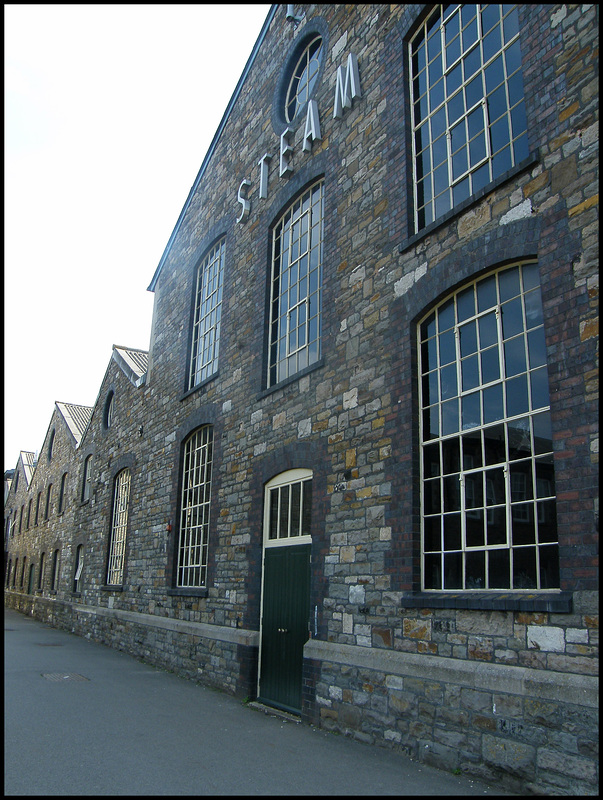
x=355, y=475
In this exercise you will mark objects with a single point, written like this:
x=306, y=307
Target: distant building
x=356, y=474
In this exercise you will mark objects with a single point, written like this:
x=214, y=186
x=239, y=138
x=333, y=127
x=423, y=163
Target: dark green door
x=285, y=614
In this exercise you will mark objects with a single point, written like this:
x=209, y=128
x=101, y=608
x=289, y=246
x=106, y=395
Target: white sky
x=109, y=111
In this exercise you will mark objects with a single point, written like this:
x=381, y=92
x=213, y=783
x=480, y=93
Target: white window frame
x=296, y=310
x=522, y=504
x=429, y=100
x=195, y=509
x=279, y=490
x=119, y=528
x=205, y=342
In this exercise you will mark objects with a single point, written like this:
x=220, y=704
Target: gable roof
x=76, y=418
x=214, y=143
x=134, y=363
x=29, y=464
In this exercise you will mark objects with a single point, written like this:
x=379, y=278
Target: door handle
x=282, y=630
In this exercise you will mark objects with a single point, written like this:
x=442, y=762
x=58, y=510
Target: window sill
x=202, y=591
x=298, y=375
x=527, y=163
x=112, y=588
x=557, y=602
x=199, y=386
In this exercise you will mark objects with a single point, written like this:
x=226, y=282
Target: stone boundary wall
x=521, y=727
x=209, y=654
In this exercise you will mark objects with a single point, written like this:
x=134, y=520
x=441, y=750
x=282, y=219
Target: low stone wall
x=214, y=655
x=528, y=730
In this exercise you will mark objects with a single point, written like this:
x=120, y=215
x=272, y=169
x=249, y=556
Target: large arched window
x=288, y=507
x=303, y=78
x=119, y=525
x=195, y=509
x=488, y=488
x=296, y=287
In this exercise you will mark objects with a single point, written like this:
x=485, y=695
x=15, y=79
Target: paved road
x=83, y=719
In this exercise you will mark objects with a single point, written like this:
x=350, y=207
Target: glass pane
x=494, y=443
x=451, y=455
x=468, y=336
x=474, y=525
x=539, y=386
x=517, y=395
x=307, y=508
x=447, y=346
x=431, y=497
x=524, y=568
x=520, y=445
x=452, y=532
x=470, y=411
x=433, y=572
x=474, y=494
x=453, y=571
x=450, y=417
x=495, y=487
x=522, y=523
x=432, y=534
x=515, y=356
x=490, y=365
x=431, y=460
x=547, y=521
x=498, y=569
x=493, y=403
x=449, y=382
x=536, y=348
x=549, y=567
x=470, y=373
x=486, y=298
x=452, y=494
x=475, y=571
x=472, y=450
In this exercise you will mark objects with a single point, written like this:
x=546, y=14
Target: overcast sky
x=109, y=111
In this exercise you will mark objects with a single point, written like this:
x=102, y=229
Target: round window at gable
x=303, y=77
x=109, y=407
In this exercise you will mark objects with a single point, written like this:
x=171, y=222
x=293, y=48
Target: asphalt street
x=83, y=719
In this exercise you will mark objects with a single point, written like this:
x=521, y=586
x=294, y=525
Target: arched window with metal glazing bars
x=488, y=485
x=207, y=316
x=296, y=287
x=193, y=539
x=119, y=527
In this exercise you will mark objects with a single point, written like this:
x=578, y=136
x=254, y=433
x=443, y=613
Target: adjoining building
x=356, y=474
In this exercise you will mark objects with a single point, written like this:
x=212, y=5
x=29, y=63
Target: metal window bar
x=119, y=525
x=206, y=325
x=487, y=479
x=195, y=509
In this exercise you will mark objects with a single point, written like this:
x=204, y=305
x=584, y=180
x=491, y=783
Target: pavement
x=83, y=719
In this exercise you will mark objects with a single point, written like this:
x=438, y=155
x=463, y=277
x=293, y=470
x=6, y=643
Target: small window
x=38, y=503
x=208, y=311
x=288, y=507
x=303, y=78
x=28, y=514
x=41, y=572
x=62, y=493
x=109, y=408
x=30, y=582
x=87, y=479
x=51, y=445
x=79, y=565
x=56, y=563
x=119, y=525
x=15, y=573
x=22, y=582
x=48, y=502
